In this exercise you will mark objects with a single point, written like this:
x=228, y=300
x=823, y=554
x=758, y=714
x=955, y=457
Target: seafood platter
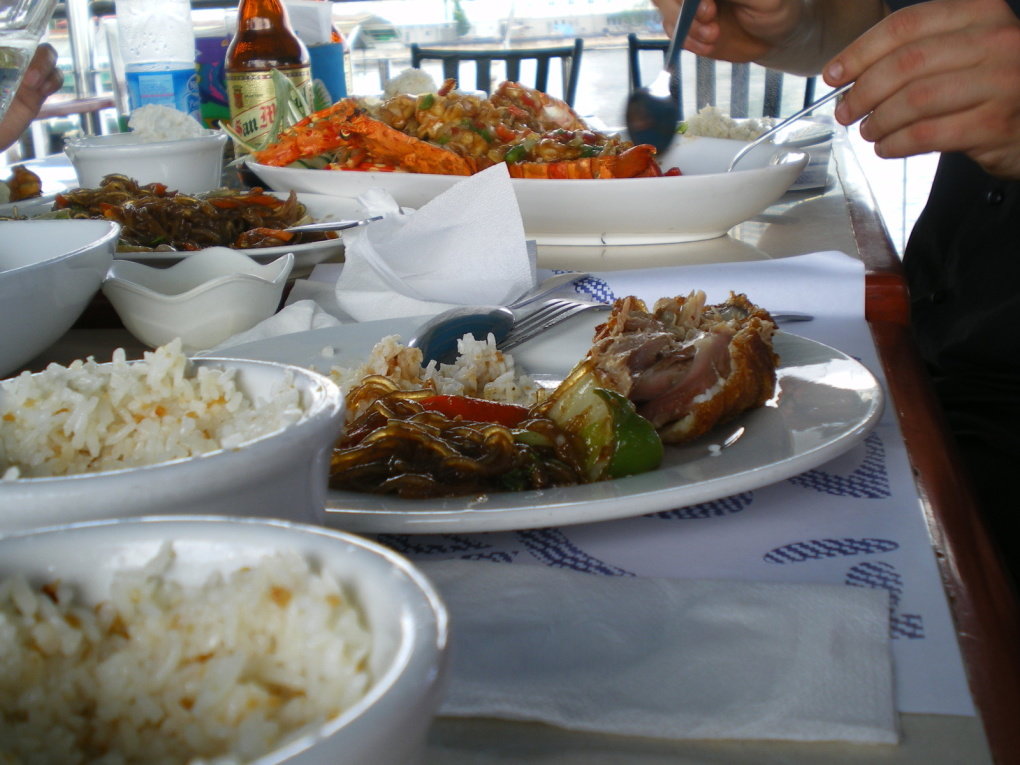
x=574, y=185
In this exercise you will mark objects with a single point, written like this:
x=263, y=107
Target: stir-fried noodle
x=153, y=217
x=395, y=446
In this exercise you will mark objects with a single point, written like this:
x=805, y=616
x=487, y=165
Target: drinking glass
x=22, y=24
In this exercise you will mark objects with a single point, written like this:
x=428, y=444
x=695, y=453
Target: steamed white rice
x=413, y=81
x=480, y=371
x=89, y=417
x=152, y=122
x=713, y=122
x=162, y=673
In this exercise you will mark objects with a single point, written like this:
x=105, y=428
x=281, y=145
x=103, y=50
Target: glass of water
x=22, y=25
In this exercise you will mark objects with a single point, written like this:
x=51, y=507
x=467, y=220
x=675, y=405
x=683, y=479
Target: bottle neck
x=264, y=39
x=262, y=14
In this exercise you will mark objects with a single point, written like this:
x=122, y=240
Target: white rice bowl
x=355, y=645
x=165, y=435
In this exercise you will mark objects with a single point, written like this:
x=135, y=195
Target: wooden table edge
x=983, y=603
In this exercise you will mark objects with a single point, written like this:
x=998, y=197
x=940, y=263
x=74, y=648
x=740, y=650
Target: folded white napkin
x=301, y=316
x=465, y=247
x=668, y=658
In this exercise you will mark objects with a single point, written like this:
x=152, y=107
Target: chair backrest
x=451, y=58
x=705, y=79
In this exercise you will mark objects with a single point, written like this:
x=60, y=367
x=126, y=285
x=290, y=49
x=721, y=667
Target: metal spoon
x=333, y=225
x=652, y=112
x=438, y=337
x=799, y=140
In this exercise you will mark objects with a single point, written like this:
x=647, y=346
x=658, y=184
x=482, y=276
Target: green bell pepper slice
x=637, y=447
x=613, y=439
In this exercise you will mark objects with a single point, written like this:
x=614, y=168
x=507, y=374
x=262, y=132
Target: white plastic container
x=157, y=44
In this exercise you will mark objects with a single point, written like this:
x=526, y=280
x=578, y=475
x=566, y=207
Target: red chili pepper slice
x=227, y=203
x=504, y=133
x=476, y=409
x=517, y=111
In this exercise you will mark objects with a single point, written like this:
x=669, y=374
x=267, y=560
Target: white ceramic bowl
x=703, y=203
x=49, y=271
x=203, y=299
x=405, y=615
x=190, y=165
x=280, y=475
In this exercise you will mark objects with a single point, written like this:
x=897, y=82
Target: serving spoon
x=652, y=113
x=437, y=338
x=802, y=139
x=332, y=225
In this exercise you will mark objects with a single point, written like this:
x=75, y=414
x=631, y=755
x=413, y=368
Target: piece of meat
x=687, y=366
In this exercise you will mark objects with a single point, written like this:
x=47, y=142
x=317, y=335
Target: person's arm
x=41, y=80
x=939, y=76
x=797, y=36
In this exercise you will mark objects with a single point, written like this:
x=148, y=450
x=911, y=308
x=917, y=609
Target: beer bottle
x=264, y=41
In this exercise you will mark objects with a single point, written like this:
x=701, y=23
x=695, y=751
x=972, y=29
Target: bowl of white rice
x=168, y=641
x=49, y=272
x=162, y=145
x=165, y=434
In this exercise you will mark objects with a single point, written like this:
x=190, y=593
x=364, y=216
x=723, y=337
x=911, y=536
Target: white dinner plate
x=32, y=206
x=703, y=203
x=52, y=184
x=306, y=256
x=827, y=403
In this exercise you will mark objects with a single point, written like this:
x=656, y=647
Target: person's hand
x=940, y=76
x=797, y=36
x=737, y=30
x=42, y=79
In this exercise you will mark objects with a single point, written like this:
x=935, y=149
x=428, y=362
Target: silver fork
x=549, y=315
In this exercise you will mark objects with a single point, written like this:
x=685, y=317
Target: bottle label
x=175, y=88
x=252, y=98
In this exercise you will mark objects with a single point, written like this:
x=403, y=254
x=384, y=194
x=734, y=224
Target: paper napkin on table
x=668, y=658
x=465, y=247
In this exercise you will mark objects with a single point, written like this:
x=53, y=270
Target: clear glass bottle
x=264, y=41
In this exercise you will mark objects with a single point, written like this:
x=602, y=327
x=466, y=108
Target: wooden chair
x=706, y=81
x=452, y=58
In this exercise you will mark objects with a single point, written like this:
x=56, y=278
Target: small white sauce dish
x=190, y=165
x=204, y=299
